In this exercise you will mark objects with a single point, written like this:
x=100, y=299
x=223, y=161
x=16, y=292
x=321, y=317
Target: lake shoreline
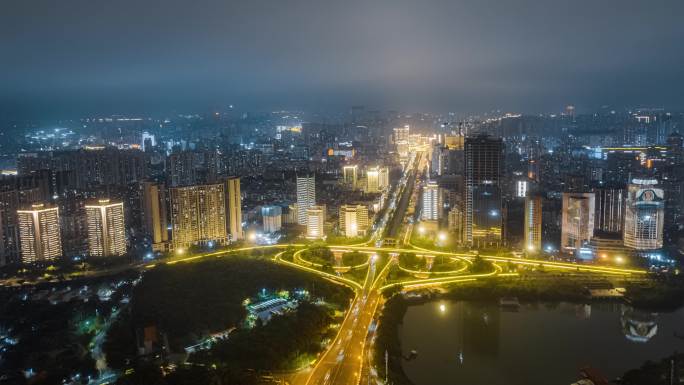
x=531, y=292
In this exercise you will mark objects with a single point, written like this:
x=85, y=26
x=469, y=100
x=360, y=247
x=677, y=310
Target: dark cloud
x=463, y=55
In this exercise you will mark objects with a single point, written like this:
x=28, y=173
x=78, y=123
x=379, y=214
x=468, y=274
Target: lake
x=475, y=343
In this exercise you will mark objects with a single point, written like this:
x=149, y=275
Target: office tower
x=198, y=215
x=154, y=211
x=610, y=209
x=306, y=197
x=291, y=215
x=577, y=226
x=377, y=179
x=454, y=142
x=482, y=196
x=353, y=220
x=644, y=215
x=440, y=160
x=675, y=148
x=106, y=228
x=533, y=223
x=401, y=134
x=432, y=202
x=350, y=175
x=383, y=178
x=39, y=233
x=401, y=140
x=314, y=222
x=233, y=209
x=148, y=141
x=271, y=218
x=373, y=180
x=521, y=187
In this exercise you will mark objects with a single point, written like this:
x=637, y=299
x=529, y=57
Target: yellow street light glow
x=442, y=236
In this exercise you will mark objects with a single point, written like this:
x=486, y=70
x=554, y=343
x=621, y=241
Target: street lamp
x=421, y=230
x=442, y=236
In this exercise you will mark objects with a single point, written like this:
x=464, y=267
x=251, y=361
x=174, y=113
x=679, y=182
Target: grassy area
x=284, y=343
x=186, y=302
x=657, y=295
x=340, y=240
x=387, y=340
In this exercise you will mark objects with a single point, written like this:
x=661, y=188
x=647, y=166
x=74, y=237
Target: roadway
x=342, y=363
x=407, y=185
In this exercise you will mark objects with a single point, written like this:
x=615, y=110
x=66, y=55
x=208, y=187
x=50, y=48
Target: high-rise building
x=350, y=175
x=306, y=197
x=432, y=202
x=73, y=223
x=455, y=223
x=383, y=178
x=148, y=141
x=482, y=196
x=155, y=222
x=644, y=215
x=106, y=228
x=373, y=180
x=314, y=222
x=271, y=218
x=610, y=209
x=198, y=215
x=14, y=196
x=577, y=226
x=353, y=220
x=233, y=209
x=533, y=223
x=39, y=233
x=291, y=215
x=377, y=179
x=90, y=166
x=521, y=188
x=401, y=140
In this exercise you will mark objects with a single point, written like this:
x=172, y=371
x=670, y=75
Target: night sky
x=61, y=57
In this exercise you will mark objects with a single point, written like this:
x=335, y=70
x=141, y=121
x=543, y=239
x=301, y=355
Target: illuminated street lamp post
x=441, y=238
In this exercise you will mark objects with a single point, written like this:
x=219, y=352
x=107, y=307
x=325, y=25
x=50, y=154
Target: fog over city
x=82, y=56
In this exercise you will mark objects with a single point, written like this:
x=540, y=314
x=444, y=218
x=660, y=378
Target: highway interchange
x=346, y=360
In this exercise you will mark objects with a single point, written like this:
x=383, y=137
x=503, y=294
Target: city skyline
x=308, y=192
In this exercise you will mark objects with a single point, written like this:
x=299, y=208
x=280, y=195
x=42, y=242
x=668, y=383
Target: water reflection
x=539, y=344
x=638, y=326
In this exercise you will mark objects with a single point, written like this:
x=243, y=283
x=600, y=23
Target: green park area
x=176, y=306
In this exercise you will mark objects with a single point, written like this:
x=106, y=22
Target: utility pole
x=386, y=367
